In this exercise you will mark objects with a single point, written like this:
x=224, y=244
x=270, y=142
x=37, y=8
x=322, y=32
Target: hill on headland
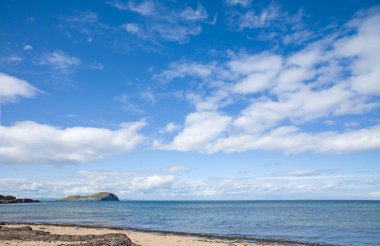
x=101, y=196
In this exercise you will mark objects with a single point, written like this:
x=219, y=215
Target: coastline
x=143, y=237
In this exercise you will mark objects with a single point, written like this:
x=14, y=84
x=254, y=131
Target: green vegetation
x=101, y=196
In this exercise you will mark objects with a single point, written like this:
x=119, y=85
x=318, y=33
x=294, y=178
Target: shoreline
x=212, y=238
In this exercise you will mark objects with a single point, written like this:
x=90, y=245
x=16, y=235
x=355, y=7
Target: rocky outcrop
x=27, y=234
x=12, y=199
x=101, y=196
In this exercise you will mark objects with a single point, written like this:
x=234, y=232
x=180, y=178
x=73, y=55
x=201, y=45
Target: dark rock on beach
x=101, y=196
x=26, y=233
x=12, y=199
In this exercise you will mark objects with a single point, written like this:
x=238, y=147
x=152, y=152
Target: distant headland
x=12, y=199
x=101, y=196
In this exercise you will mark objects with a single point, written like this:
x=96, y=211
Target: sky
x=184, y=100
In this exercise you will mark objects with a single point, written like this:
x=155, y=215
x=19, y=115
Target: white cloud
x=252, y=19
x=12, y=59
x=118, y=4
x=151, y=182
x=298, y=37
x=163, y=23
x=170, y=128
x=28, y=47
x=85, y=17
x=363, y=48
x=183, y=69
x=131, y=27
x=148, y=96
x=12, y=88
x=306, y=173
x=244, y=3
x=200, y=129
x=29, y=142
x=86, y=23
x=146, y=7
x=59, y=60
x=281, y=27
x=176, y=169
x=292, y=140
x=375, y=194
x=128, y=104
x=260, y=70
x=256, y=63
x=176, y=33
x=331, y=77
x=197, y=14
x=128, y=185
x=97, y=66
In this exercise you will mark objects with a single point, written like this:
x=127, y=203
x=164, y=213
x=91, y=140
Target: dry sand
x=138, y=238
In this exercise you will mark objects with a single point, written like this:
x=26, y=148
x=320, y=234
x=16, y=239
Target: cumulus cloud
x=12, y=88
x=362, y=47
x=201, y=129
x=330, y=77
x=29, y=142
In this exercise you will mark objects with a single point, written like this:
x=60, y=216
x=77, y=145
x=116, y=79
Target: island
x=13, y=199
x=101, y=196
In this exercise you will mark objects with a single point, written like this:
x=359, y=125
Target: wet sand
x=29, y=234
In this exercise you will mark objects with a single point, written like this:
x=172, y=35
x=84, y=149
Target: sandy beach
x=27, y=234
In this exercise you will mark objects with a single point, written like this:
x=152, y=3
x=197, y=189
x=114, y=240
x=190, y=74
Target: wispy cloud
x=262, y=19
x=243, y=3
x=87, y=23
x=270, y=23
x=129, y=104
x=97, y=66
x=162, y=23
x=147, y=7
x=59, y=60
x=11, y=59
x=307, y=173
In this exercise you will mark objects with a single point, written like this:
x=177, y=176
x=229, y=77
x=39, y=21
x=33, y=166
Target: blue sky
x=231, y=99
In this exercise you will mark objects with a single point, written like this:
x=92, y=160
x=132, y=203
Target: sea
x=331, y=222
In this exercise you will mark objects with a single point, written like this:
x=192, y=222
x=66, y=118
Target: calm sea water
x=337, y=222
